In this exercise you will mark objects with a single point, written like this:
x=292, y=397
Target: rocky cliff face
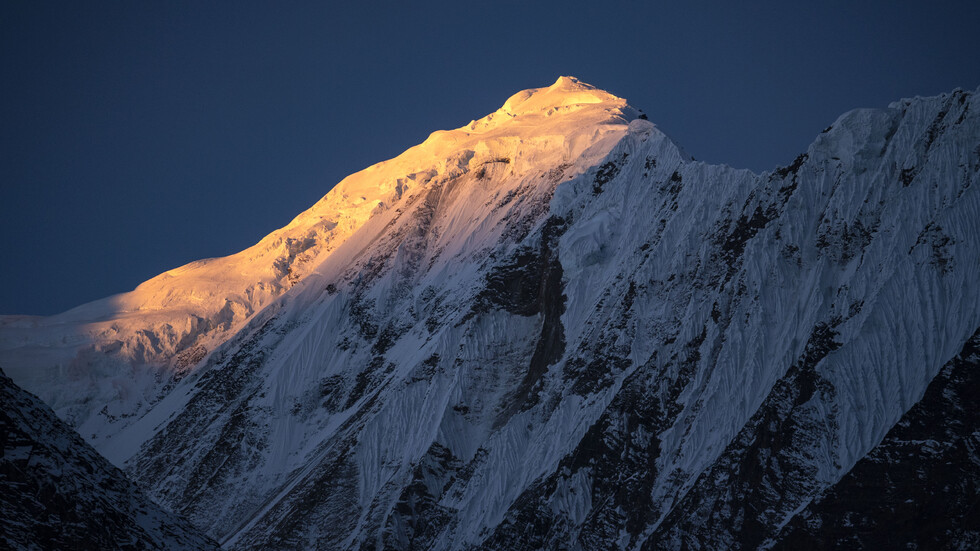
x=554, y=329
x=56, y=492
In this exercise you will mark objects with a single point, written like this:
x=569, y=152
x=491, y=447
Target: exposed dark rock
x=606, y=173
x=549, y=300
x=919, y=488
x=766, y=470
x=417, y=517
x=56, y=492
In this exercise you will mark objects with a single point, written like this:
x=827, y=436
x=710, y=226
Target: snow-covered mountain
x=552, y=328
x=56, y=492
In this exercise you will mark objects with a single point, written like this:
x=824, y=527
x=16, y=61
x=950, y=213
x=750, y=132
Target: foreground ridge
x=550, y=328
x=56, y=492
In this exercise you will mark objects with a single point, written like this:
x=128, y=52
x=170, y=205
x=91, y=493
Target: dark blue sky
x=138, y=136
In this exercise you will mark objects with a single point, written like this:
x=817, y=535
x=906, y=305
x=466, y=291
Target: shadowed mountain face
x=56, y=492
x=920, y=486
x=550, y=328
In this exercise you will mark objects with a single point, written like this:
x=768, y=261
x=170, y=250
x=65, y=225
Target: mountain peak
x=566, y=93
x=568, y=125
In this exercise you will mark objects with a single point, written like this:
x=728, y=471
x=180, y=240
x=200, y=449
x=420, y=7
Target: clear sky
x=138, y=136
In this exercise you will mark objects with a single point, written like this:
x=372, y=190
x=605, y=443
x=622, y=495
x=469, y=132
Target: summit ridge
x=182, y=313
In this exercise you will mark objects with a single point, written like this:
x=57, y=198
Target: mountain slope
x=59, y=493
x=792, y=321
x=555, y=330
x=919, y=486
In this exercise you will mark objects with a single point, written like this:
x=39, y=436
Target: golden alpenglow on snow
x=552, y=328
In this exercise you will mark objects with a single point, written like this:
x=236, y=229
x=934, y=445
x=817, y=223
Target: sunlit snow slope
x=172, y=321
x=550, y=328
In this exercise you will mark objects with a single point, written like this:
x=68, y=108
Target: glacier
x=550, y=328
